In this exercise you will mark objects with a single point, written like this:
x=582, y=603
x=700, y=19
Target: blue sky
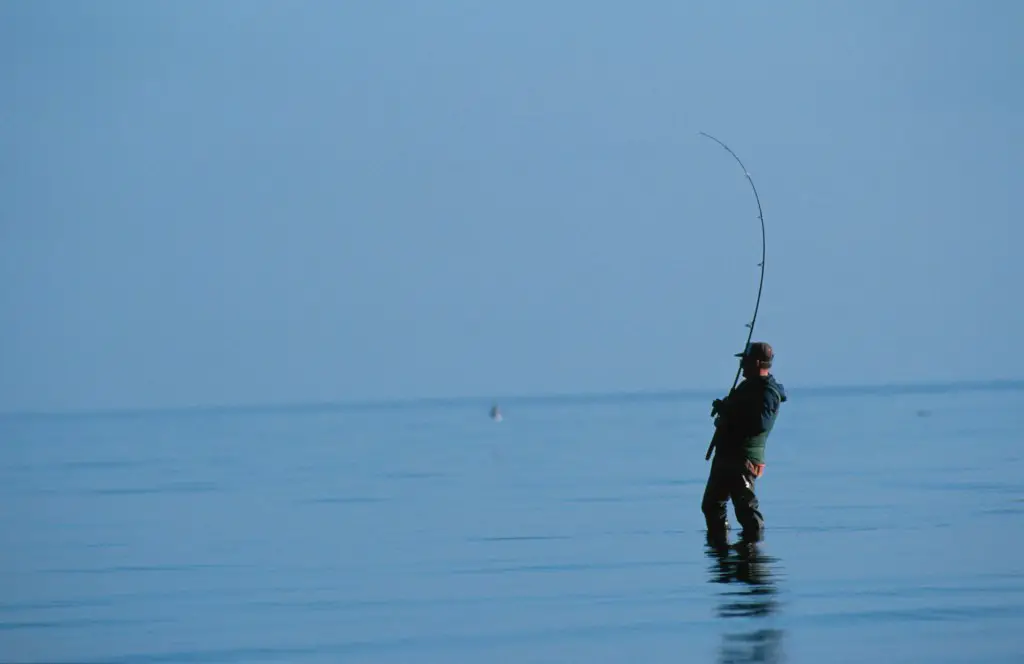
x=249, y=202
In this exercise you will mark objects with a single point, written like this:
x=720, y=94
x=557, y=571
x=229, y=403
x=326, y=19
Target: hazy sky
x=234, y=202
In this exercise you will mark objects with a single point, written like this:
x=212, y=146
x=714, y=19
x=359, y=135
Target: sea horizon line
x=609, y=396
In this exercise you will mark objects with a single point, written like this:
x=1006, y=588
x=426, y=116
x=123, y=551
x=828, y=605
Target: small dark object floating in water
x=495, y=413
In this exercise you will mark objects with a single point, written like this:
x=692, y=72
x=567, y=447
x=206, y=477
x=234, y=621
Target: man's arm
x=747, y=411
x=722, y=407
x=769, y=407
x=730, y=408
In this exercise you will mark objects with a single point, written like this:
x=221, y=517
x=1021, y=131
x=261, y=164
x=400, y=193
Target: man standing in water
x=743, y=421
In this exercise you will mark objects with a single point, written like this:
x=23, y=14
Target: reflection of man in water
x=746, y=566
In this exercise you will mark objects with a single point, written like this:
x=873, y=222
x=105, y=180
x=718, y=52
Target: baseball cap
x=758, y=350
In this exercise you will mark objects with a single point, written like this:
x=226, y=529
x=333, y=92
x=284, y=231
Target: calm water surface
x=569, y=532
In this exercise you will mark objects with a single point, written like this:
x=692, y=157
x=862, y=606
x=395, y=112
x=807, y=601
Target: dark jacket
x=746, y=417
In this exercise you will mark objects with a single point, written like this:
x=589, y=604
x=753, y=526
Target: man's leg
x=716, y=494
x=745, y=501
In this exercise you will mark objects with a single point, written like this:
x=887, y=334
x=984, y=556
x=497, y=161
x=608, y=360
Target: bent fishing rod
x=760, y=286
